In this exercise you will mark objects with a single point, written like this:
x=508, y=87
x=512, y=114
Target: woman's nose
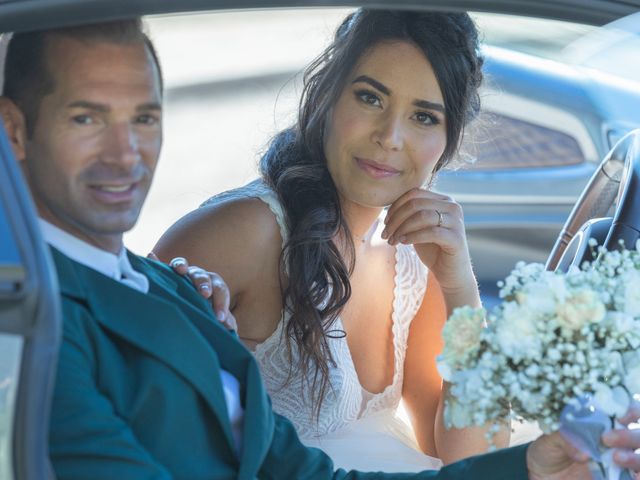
x=389, y=133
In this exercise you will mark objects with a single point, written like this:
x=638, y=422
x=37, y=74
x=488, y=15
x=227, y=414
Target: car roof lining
x=23, y=15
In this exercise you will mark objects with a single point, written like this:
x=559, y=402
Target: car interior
x=553, y=160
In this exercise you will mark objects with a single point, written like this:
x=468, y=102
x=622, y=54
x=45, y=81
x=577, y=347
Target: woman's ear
x=15, y=126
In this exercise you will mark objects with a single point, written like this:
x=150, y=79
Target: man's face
x=96, y=140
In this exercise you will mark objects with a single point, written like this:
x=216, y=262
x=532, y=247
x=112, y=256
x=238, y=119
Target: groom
x=149, y=385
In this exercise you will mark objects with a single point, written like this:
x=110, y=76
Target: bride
x=341, y=263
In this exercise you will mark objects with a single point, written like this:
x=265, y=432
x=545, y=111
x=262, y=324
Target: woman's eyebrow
x=374, y=83
x=429, y=105
x=387, y=91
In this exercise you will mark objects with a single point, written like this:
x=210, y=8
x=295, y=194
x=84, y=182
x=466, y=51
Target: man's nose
x=122, y=145
x=389, y=132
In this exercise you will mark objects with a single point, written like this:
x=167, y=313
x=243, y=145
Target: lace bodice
x=346, y=400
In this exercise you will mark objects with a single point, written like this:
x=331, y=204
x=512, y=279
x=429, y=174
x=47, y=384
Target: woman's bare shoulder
x=238, y=230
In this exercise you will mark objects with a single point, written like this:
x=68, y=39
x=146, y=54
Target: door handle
x=12, y=279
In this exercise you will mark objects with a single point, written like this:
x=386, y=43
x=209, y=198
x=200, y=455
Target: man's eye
x=82, y=119
x=147, y=119
x=368, y=97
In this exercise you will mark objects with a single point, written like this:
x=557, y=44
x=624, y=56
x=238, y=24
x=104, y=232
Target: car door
x=29, y=329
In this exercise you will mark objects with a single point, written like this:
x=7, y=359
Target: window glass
x=10, y=354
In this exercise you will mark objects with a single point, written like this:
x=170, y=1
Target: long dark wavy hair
x=316, y=267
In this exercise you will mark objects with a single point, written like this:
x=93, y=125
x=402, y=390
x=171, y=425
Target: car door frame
x=30, y=313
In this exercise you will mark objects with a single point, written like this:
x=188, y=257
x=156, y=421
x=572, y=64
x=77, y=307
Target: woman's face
x=387, y=129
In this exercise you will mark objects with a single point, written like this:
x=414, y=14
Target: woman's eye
x=426, y=118
x=82, y=119
x=368, y=98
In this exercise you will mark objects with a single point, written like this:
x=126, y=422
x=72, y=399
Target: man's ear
x=15, y=126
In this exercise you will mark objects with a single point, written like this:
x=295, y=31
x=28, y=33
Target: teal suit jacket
x=138, y=392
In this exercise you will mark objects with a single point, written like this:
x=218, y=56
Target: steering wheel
x=617, y=179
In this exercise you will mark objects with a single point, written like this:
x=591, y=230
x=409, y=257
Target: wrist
x=465, y=294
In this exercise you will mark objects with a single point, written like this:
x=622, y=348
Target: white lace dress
x=356, y=428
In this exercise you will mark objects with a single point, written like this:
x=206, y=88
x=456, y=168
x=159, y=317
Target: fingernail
x=623, y=456
x=221, y=315
x=384, y=233
x=609, y=437
x=205, y=287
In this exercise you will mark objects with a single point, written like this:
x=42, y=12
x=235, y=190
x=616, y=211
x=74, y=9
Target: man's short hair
x=27, y=78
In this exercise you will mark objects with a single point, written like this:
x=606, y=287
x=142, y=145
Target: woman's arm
x=424, y=391
x=422, y=384
x=239, y=240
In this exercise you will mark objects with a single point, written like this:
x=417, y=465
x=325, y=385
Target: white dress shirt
x=119, y=268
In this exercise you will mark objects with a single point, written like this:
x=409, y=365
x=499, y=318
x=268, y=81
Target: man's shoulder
x=162, y=275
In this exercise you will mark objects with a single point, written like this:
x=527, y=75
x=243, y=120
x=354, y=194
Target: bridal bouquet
x=558, y=341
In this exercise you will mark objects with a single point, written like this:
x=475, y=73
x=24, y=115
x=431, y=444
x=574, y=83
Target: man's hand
x=552, y=457
x=210, y=285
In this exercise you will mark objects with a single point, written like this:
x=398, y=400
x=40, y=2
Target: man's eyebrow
x=384, y=89
x=99, y=107
x=102, y=108
x=149, y=106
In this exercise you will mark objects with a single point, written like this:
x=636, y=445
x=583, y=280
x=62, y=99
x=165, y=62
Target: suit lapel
x=135, y=317
x=258, y=417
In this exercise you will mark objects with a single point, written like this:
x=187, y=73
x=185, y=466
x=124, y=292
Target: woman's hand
x=210, y=285
x=433, y=223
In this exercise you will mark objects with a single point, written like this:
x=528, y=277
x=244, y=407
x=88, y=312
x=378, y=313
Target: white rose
x=516, y=332
x=461, y=334
x=579, y=309
x=612, y=401
x=558, y=285
x=537, y=297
